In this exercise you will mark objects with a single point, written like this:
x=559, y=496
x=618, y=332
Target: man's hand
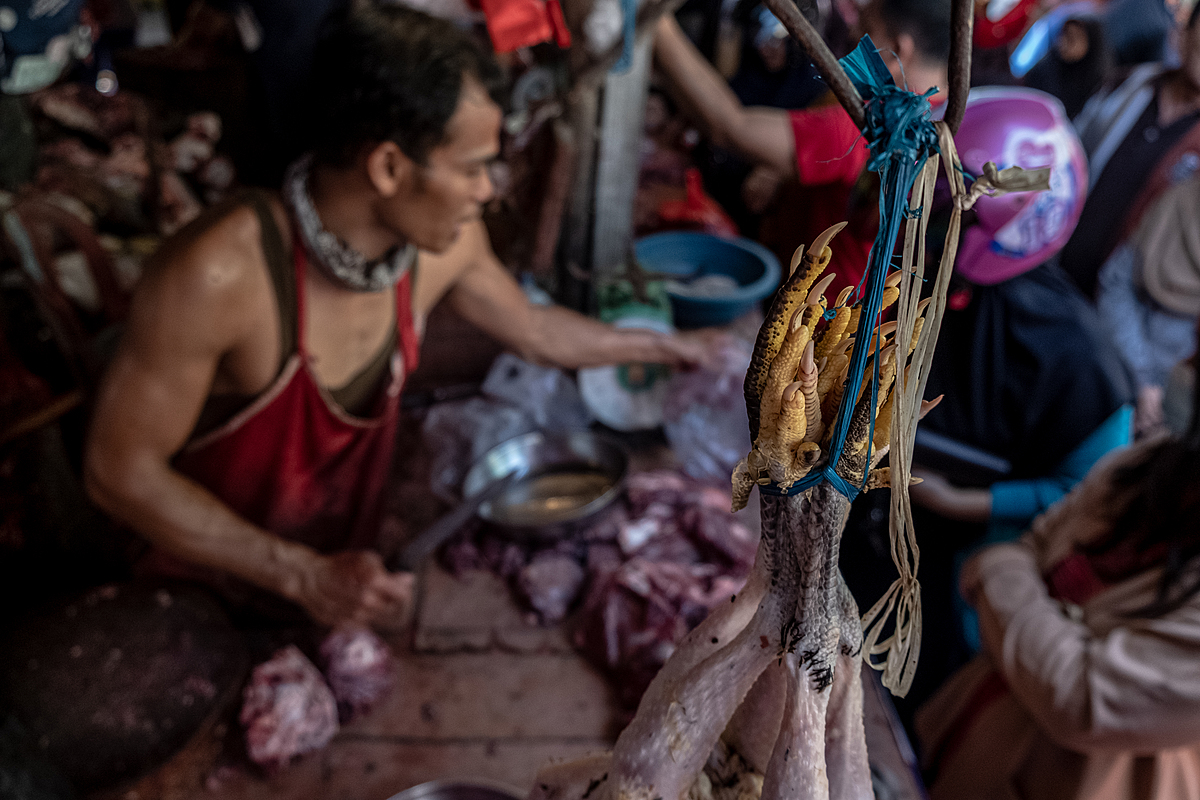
x=760, y=188
x=941, y=497
x=692, y=349
x=353, y=586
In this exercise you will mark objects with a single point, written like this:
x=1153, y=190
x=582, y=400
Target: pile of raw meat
x=105, y=155
x=289, y=708
x=642, y=575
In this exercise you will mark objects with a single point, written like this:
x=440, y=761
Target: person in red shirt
x=817, y=147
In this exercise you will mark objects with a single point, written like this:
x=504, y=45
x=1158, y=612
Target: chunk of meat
x=360, y=670
x=287, y=710
x=550, y=584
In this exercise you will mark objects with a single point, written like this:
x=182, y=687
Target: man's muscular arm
x=486, y=295
x=194, y=309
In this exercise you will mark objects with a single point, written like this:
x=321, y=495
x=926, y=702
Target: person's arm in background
x=762, y=135
x=487, y=296
x=1020, y=500
x=1017, y=501
x=1133, y=688
x=1124, y=316
x=937, y=494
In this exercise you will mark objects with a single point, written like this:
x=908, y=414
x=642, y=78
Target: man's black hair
x=1195, y=16
x=388, y=73
x=926, y=21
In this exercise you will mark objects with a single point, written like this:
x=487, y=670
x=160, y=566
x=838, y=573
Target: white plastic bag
x=705, y=414
x=519, y=397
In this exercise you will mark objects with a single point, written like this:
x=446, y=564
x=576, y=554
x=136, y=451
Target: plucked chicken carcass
x=768, y=687
x=772, y=679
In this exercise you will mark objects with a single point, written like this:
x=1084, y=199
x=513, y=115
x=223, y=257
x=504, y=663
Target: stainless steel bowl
x=562, y=479
x=460, y=790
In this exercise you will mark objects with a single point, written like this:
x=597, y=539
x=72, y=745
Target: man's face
x=448, y=191
x=1072, y=43
x=773, y=51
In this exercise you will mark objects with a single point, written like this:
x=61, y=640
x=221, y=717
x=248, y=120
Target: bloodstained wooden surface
x=496, y=715
x=491, y=703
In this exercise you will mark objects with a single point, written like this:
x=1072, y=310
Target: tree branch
x=962, y=23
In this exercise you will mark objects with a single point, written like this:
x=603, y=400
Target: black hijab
x=1075, y=82
x=1027, y=371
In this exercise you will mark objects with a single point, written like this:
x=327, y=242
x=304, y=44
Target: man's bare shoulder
x=214, y=254
x=207, y=289
x=214, y=267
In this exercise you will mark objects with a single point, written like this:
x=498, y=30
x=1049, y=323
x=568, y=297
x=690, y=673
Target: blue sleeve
x=1021, y=501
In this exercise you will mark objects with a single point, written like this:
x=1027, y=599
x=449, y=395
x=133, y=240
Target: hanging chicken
x=784, y=653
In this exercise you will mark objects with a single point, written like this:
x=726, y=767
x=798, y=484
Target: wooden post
x=621, y=122
x=574, y=277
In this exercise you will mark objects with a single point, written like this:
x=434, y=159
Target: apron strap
x=300, y=260
x=406, y=329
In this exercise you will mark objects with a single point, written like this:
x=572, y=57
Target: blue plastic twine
x=629, y=10
x=900, y=136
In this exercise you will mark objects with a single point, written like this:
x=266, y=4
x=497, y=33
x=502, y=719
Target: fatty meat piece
x=287, y=710
x=634, y=615
x=550, y=584
x=359, y=668
x=659, y=486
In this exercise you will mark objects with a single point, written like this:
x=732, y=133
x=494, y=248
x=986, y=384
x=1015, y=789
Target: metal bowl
x=459, y=790
x=562, y=479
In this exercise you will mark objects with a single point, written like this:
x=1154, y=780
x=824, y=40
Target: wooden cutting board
x=114, y=683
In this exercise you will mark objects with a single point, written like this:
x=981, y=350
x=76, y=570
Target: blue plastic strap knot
x=812, y=479
x=900, y=136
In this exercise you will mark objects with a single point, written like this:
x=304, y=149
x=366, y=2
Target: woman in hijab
x=1149, y=296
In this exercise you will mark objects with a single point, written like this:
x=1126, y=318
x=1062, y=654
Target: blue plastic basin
x=691, y=255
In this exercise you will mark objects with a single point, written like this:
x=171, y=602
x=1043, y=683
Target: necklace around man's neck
x=336, y=259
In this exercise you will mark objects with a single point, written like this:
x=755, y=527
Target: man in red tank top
x=817, y=147
x=277, y=310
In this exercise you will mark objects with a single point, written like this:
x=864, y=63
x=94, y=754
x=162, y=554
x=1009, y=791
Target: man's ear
x=388, y=168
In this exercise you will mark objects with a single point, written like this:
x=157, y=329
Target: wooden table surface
x=484, y=692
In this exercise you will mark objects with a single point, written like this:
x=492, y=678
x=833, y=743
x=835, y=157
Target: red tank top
x=294, y=462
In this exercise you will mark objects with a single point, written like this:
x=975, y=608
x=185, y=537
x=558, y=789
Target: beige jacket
x=1092, y=705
